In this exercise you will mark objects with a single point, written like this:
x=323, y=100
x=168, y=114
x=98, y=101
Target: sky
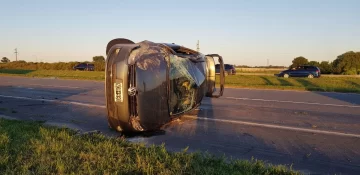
x=244, y=32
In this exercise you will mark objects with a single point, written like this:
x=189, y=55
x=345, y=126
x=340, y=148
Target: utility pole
x=198, y=46
x=16, y=53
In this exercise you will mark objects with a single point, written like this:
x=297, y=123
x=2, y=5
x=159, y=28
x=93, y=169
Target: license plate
x=118, y=92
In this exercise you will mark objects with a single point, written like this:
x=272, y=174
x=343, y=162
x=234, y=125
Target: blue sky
x=243, y=31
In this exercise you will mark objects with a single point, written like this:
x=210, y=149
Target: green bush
x=352, y=71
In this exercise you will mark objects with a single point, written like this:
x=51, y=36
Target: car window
x=300, y=68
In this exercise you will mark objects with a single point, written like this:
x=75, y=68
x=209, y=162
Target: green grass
x=329, y=84
x=32, y=148
x=259, y=70
x=65, y=74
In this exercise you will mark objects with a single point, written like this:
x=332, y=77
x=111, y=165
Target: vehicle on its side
x=229, y=69
x=148, y=84
x=84, y=67
x=301, y=71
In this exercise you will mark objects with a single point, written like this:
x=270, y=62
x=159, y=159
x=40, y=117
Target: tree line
x=347, y=63
x=98, y=61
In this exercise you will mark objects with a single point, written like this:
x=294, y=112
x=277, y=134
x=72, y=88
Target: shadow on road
x=351, y=98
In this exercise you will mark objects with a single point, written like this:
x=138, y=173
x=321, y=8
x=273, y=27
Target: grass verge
x=32, y=148
x=327, y=84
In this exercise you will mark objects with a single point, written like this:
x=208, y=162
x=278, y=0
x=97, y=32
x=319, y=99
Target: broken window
x=186, y=77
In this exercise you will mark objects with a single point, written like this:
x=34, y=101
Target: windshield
x=186, y=77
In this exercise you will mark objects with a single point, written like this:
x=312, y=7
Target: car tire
x=286, y=76
x=310, y=76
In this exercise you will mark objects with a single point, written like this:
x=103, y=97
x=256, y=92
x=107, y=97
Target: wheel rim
x=310, y=76
x=286, y=76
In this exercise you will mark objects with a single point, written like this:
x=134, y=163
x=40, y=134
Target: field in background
x=259, y=70
x=265, y=81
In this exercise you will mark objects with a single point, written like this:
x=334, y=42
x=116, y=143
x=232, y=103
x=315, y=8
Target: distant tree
x=347, y=63
x=299, y=61
x=5, y=60
x=20, y=61
x=98, y=59
x=326, y=67
x=314, y=63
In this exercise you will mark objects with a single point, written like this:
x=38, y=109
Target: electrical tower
x=198, y=46
x=16, y=53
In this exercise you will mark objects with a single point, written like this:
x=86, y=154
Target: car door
x=297, y=72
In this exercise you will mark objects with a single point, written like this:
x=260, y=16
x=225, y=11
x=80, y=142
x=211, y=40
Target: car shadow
x=284, y=82
x=308, y=85
x=267, y=81
x=281, y=80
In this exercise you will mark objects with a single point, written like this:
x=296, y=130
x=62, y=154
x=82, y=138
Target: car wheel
x=310, y=76
x=286, y=75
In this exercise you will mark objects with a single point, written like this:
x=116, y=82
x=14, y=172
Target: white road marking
x=294, y=102
x=55, y=101
x=275, y=126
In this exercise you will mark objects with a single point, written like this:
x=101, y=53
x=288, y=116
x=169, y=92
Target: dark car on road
x=301, y=71
x=229, y=69
x=84, y=67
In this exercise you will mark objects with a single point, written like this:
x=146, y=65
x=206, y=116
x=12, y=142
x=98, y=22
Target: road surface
x=312, y=131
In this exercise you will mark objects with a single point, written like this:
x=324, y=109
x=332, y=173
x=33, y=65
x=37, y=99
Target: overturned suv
x=149, y=84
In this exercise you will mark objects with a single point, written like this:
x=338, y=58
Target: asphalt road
x=315, y=132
